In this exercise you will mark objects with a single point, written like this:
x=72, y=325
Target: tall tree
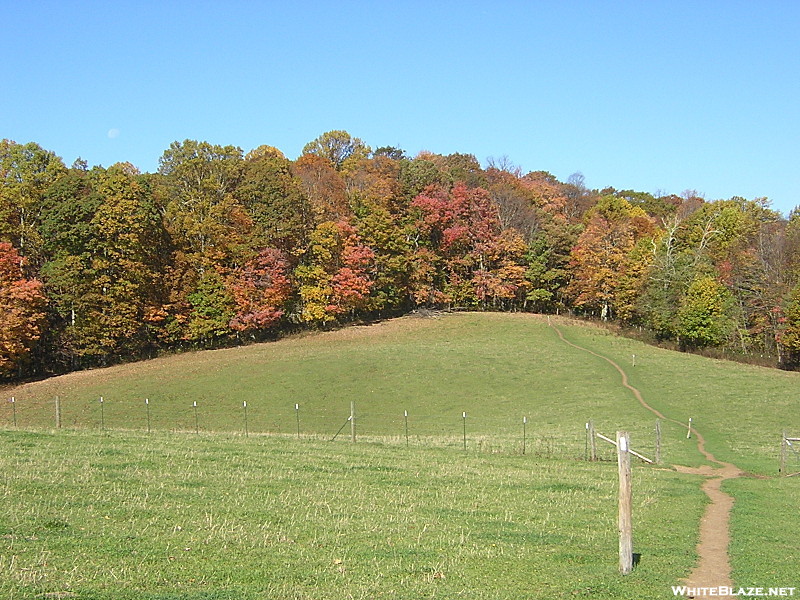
x=26, y=172
x=502, y=283
x=788, y=336
x=104, y=246
x=461, y=226
x=338, y=147
x=420, y=173
x=374, y=183
x=213, y=308
x=381, y=218
x=274, y=201
x=602, y=262
x=516, y=204
x=208, y=228
x=705, y=318
x=463, y=168
x=202, y=212
x=324, y=188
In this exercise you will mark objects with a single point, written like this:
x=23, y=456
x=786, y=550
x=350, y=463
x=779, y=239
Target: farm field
x=102, y=509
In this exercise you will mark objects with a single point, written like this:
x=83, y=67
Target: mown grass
x=498, y=369
x=126, y=515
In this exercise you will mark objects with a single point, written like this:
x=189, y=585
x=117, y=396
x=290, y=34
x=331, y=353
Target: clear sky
x=656, y=96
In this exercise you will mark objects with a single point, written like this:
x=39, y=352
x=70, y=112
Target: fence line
x=507, y=433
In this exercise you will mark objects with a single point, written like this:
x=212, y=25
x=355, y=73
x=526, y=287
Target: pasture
x=126, y=515
x=115, y=512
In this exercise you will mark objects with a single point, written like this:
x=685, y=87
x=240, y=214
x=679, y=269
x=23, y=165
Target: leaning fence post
x=625, y=521
x=689, y=432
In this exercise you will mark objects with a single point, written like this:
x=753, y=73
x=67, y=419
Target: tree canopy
x=218, y=247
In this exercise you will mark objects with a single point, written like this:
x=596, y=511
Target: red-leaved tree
x=260, y=288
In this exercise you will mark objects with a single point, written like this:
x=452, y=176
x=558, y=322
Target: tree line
x=102, y=265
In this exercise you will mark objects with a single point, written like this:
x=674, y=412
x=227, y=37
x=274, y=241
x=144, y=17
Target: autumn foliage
x=220, y=247
x=22, y=306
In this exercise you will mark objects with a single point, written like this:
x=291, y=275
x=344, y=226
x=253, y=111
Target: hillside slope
x=498, y=368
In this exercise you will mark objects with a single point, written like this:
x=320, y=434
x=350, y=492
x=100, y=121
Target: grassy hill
x=124, y=514
x=498, y=368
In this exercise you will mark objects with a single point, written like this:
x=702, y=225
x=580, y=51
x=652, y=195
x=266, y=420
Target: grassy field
x=110, y=514
x=497, y=368
x=126, y=515
x=740, y=409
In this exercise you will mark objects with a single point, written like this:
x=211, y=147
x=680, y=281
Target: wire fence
x=489, y=431
x=495, y=433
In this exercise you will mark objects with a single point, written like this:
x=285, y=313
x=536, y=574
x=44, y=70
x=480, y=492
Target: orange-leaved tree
x=604, y=265
x=22, y=310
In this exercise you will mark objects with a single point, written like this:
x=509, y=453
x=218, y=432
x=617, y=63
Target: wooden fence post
x=592, y=442
x=524, y=434
x=658, y=441
x=625, y=521
x=58, y=413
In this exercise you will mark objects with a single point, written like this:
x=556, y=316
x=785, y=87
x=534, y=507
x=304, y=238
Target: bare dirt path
x=713, y=567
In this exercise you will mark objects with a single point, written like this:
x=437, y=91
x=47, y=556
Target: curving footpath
x=713, y=568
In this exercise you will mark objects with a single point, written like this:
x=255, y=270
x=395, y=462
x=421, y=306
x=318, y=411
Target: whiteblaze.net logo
x=711, y=592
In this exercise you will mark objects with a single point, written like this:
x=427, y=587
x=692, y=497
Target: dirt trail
x=713, y=567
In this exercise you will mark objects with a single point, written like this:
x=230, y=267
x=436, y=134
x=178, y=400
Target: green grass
x=498, y=368
x=126, y=515
x=764, y=547
x=740, y=409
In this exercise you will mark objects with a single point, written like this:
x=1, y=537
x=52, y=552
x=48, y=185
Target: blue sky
x=656, y=96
